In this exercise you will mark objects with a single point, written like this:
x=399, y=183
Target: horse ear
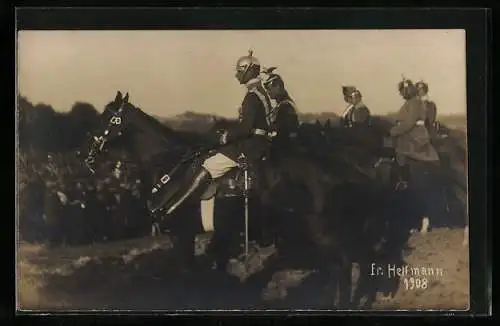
x=118, y=97
x=125, y=99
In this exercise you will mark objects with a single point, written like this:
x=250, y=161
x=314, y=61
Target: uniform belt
x=420, y=123
x=293, y=135
x=260, y=132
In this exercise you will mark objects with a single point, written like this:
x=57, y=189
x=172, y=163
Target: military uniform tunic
x=249, y=136
x=286, y=123
x=356, y=115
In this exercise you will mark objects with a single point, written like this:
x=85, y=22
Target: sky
x=169, y=72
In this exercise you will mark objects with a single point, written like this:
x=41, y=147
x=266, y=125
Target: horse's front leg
x=315, y=220
x=184, y=247
x=222, y=288
x=424, y=226
x=365, y=288
x=224, y=242
x=344, y=285
x=461, y=195
x=220, y=249
x=263, y=221
x=465, y=241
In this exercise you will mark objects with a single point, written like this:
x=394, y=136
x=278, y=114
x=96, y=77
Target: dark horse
x=361, y=213
x=298, y=184
x=374, y=216
x=157, y=149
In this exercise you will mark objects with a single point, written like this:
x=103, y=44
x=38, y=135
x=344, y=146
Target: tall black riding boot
x=187, y=189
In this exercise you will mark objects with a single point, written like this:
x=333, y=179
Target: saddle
x=232, y=184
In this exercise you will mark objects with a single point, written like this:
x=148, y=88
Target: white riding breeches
x=218, y=165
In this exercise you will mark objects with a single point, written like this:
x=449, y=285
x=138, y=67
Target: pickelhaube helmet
x=405, y=83
x=347, y=90
x=423, y=86
x=350, y=92
x=407, y=87
x=246, y=62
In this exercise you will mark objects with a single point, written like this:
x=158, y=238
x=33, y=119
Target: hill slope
x=135, y=274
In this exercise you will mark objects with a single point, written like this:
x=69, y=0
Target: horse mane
x=183, y=137
x=224, y=123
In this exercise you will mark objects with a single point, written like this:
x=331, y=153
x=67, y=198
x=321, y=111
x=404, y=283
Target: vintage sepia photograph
x=242, y=170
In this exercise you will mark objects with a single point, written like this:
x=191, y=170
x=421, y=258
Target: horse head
x=145, y=138
x=113, y=123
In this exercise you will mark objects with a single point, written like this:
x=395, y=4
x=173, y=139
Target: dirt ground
x=137, y=274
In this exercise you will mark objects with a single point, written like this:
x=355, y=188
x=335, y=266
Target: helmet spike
x=405, y=82
x=250, y=52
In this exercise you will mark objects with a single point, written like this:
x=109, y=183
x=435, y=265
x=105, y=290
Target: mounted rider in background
x=284, y=120
x=357, y=113
x=356, y=121
x=413, y=148
x=430, y=107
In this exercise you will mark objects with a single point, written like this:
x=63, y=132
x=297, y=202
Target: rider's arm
x=408, y=116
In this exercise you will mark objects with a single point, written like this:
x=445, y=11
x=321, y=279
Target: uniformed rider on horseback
x=356, y=119
x=357, y=113
x=247, y=142
x=283, y=120
x=413, y=149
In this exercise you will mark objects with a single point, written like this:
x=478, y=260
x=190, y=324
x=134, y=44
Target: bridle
x=114, y=122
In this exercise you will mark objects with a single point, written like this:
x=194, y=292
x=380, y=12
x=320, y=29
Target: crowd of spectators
x=62, y=204
x=59, y=201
